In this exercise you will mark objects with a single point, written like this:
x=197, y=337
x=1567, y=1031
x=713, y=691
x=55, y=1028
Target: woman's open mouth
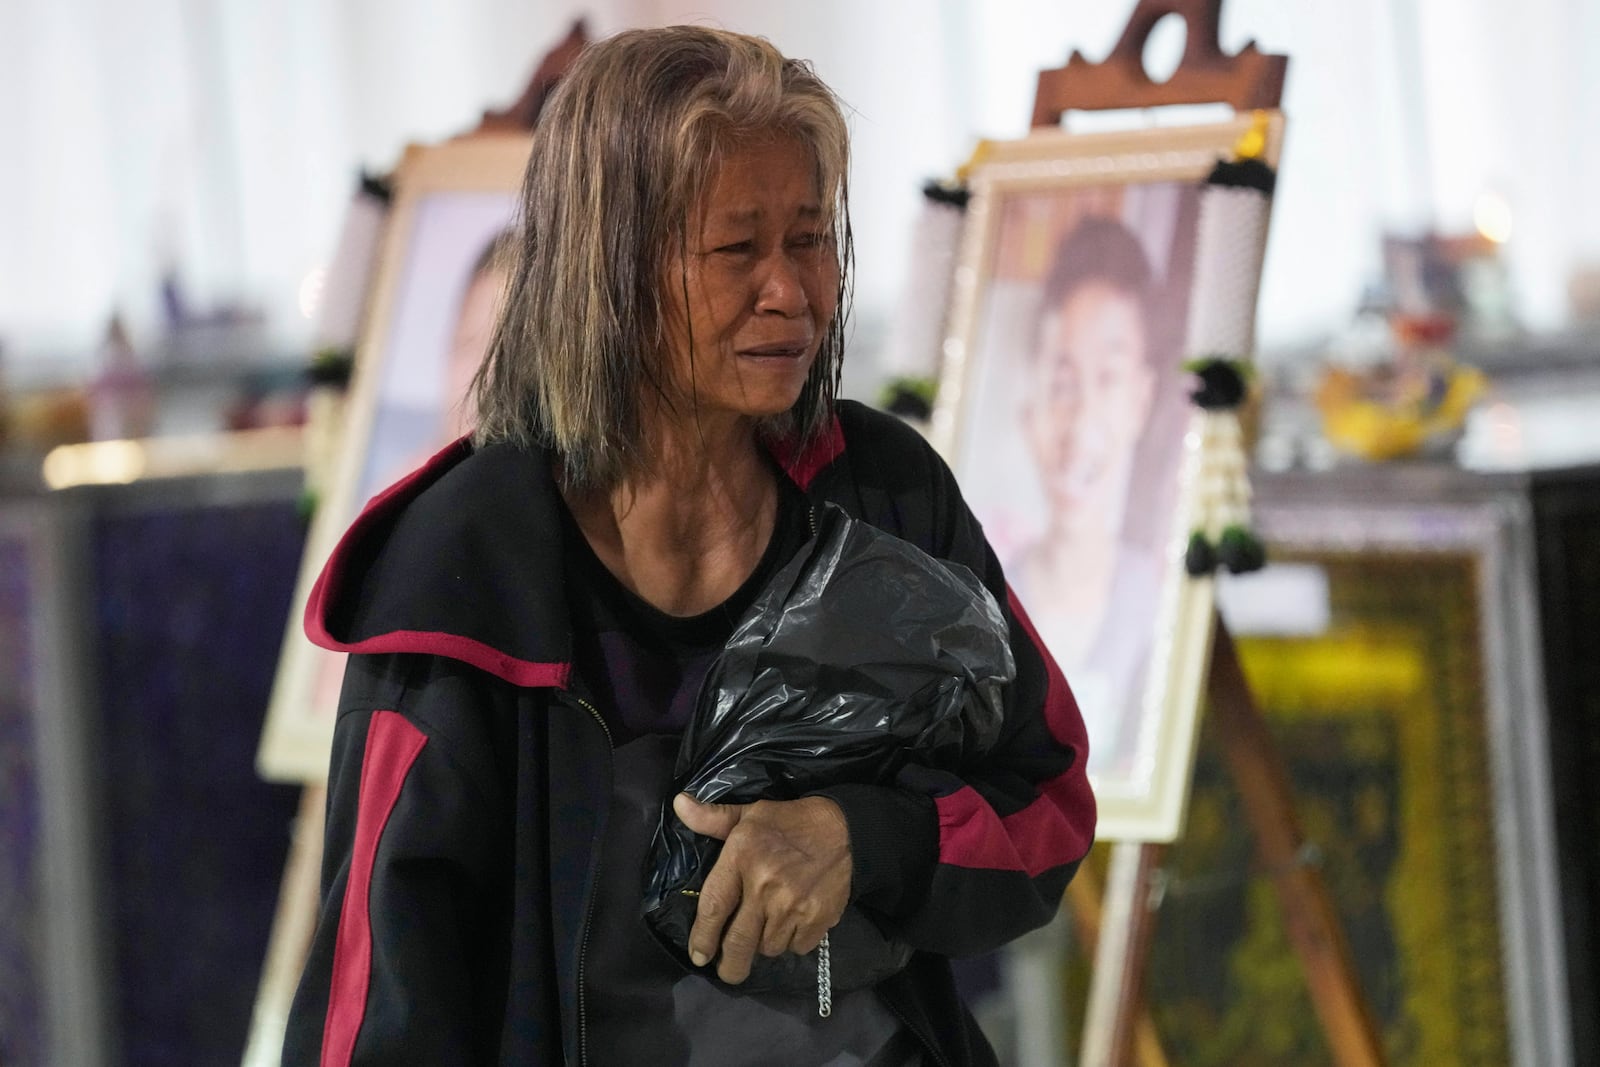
x=777, y=350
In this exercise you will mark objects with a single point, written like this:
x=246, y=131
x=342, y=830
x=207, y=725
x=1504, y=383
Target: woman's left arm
x=958, y=863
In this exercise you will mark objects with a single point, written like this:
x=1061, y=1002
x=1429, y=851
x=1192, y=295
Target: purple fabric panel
x=190, y=605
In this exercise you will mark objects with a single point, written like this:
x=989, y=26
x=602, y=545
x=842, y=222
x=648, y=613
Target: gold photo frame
x=425, y=314
x=1423, y=777
x=1063, y=410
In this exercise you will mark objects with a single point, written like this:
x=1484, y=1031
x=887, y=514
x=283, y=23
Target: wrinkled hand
x=783, y=879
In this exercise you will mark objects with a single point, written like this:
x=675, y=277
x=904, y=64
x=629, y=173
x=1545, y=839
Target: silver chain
x=824, y=979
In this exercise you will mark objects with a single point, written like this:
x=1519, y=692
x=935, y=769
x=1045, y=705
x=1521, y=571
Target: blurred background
x=174, y=182
x=206, y=150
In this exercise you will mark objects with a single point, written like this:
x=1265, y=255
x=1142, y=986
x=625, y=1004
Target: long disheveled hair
x=625, y=149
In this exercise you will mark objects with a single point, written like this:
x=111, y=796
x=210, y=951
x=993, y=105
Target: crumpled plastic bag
x=862, y=655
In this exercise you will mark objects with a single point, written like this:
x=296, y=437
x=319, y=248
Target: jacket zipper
x=930, y=1046
x=927, y=1044
x=588, y=914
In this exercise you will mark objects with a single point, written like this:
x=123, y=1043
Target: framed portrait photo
x=429, y=320
x=1063, y=409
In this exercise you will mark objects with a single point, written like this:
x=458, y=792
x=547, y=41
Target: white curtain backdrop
x=220, y=138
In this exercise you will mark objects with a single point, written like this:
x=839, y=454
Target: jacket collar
x=463, y=558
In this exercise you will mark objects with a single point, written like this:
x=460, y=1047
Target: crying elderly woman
x=531, y=616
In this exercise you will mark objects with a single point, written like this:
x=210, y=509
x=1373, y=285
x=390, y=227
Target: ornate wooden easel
x=1119, y=927
x=294, y=921
x=523, y=113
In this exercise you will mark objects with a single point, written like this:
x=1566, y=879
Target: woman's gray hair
x=623, y=152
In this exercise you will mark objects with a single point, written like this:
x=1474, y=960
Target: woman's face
x=1089, y=397
x=751, y=298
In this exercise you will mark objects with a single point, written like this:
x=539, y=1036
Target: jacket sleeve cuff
x=894, y=844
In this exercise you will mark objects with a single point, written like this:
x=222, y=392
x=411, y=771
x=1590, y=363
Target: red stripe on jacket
x=1052, y=830
x=526, y=673
x=392, y=747
x=804, y=462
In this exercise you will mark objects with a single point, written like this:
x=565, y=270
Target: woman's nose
x=782, y=288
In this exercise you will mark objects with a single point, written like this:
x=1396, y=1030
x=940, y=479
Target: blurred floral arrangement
x=909, y=396
x=1416, y=403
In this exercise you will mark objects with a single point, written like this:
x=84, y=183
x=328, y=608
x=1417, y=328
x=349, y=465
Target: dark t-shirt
x=646, y=668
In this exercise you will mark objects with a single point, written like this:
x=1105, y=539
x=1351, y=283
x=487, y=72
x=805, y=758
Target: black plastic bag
x=862, y=655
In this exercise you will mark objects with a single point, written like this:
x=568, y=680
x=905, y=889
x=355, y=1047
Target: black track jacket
x=470, y=778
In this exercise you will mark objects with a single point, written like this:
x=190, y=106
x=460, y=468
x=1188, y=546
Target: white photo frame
x=452, y=201
x=1087, y=492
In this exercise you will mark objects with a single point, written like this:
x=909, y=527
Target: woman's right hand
x=781, y=882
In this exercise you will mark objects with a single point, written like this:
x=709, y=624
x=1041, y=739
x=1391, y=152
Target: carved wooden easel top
x=1248, y=80
x=523, y=113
